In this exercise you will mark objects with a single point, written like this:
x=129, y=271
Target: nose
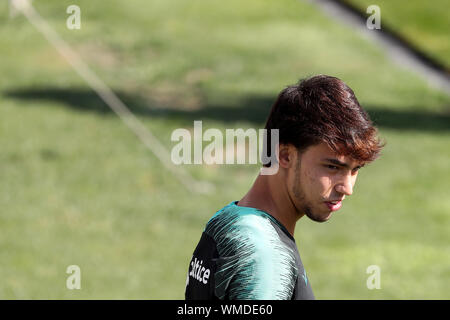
x=345, y=186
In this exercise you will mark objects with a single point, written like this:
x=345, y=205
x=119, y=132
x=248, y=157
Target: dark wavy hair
x=323, y=109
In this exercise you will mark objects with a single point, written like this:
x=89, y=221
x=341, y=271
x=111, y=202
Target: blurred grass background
x=77, y=187
x=426, y=24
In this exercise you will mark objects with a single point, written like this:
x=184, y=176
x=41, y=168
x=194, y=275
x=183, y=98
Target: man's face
x=319, y=181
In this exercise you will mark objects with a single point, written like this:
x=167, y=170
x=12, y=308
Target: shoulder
x=254, y=262
x=236, y=229
x=236, y=224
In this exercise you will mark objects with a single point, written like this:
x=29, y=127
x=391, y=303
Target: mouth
x=334, y=205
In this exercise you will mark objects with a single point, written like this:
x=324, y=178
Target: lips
x=334, y=205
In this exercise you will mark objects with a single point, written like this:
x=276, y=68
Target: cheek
x=319, y=183
x=325, y=184
x=354, y=179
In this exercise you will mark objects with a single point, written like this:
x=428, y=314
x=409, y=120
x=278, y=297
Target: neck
x=267, y=194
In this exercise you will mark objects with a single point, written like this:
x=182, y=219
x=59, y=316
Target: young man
x=247, y=250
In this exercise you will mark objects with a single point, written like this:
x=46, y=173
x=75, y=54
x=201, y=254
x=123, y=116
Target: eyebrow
x=341, y=164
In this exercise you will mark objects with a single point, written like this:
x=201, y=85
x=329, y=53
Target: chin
x=319, y=217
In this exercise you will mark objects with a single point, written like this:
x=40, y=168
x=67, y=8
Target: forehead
x=322, y=152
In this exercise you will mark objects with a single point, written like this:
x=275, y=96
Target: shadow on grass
x=248, y=108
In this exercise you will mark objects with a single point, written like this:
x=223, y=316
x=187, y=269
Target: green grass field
x=78, y=188
x=423, y=23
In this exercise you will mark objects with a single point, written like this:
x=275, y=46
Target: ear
x=286, y=155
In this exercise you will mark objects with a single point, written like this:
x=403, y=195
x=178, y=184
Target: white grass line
x=392, y=48
x=110, y=98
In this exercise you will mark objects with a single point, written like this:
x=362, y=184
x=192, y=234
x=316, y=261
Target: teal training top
x=246, y=254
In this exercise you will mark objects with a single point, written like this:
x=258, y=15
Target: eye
x=356, y=170
x=330, y=166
